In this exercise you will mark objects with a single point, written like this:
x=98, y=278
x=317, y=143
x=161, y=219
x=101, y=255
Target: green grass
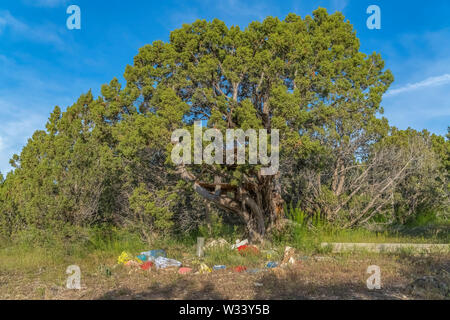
x=307, y=233
x=33, y=250
x=232, y=258
x=366, y=236
x=38, y=259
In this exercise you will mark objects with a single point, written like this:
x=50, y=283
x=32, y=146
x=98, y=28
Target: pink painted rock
x=184, y=270
x=132, y=263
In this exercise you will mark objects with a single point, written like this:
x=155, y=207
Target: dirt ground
x=317, y=277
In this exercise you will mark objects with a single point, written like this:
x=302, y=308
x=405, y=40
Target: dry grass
x=328, y=276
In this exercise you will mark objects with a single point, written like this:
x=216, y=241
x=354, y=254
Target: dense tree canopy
x=108, y=159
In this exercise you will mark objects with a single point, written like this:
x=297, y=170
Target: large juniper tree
x=108, y=159
x=289, y=75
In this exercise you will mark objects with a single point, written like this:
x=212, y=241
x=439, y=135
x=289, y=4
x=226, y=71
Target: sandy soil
x=317, y=277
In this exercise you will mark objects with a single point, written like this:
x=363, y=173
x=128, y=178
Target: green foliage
x=232, y=258
x=425, y=189
x=215, y=227
x=35, y=249
x=105, y=160
x=304, y=231
x=152, y=210
x=423, y=218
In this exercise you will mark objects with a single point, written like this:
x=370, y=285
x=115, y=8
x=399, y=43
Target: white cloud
x=29, y=90
x=421, y=109
x=420, y=97
x=257, y=9
x=46, y=3
x=2, y=145
x=16, y=127
x=7, y=20
x=40, y=33
x=339, y=5
x=429, y=82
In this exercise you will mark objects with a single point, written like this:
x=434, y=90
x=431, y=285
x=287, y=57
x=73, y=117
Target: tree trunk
x=260, y=205
x=264, y=209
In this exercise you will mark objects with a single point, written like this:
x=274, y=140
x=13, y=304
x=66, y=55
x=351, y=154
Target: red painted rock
x=246, y=249
x=147, y=265
x=239, y=269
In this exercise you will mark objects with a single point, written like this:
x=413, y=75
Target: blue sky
x=43, y=64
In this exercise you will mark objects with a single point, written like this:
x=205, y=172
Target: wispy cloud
x=429, y=82
x=256, y=9
x=29, y=90
x=339, y=5
x=48, y=34
x=2, y=146
x=45, y=3
x=17, y=126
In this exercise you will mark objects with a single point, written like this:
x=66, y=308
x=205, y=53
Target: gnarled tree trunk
x=258, y=203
